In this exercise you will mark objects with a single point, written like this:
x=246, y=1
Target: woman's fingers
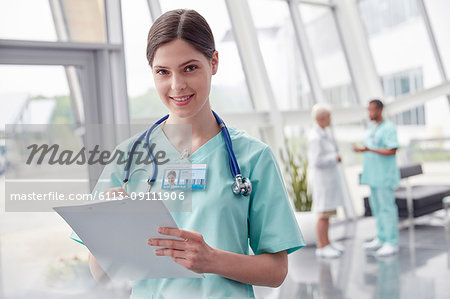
x=188, y=264
x=175, y=244
x=191, y=252
x=180, y=233
x=170, y=252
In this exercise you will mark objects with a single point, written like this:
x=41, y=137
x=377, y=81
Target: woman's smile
x=181, y=100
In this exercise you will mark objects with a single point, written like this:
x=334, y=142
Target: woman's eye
x=190, y=68
x=161, y=72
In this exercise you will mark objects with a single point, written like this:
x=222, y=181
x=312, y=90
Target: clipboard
x=116, y=233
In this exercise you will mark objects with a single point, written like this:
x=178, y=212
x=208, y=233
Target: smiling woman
x=213, y=238
x=184, y=85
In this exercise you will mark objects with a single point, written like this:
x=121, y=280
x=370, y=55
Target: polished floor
x=421, y=269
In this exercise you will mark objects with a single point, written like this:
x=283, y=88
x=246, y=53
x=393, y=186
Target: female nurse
x=215, y=236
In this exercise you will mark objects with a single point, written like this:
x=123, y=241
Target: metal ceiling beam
x=407, y=102
x=155, y=9
x=341, y=115
x=260, y=88
x=433, y=42
x=359, y=55
x=306, y=52
x=323, y=3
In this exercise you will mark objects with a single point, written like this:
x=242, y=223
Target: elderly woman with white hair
x=324, y=177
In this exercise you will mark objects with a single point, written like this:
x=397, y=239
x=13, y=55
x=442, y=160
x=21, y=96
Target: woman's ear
x=215, y=62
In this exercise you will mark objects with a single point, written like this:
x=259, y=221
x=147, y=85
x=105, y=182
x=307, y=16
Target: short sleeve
x=272, y=223
x=390, y=140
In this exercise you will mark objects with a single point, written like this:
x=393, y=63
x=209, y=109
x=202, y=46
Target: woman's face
x=183, y=78
x=324, y=119
x=171, y=179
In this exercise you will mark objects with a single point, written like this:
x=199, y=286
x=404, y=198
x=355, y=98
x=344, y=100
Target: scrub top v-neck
x=264, y=221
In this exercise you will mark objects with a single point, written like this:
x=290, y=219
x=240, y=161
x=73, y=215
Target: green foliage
x=63, y=113
x=296, y=167
x=67, y=270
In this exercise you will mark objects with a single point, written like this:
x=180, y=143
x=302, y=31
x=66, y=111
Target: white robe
x=323, y=173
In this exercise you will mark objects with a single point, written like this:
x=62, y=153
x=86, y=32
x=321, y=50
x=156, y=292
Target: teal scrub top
x=264, y=221
x=379, y=170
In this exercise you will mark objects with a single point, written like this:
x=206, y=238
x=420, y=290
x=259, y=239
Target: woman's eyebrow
x=187, y=62
x=181, y=65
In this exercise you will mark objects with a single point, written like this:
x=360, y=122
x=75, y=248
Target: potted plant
x=296, y=168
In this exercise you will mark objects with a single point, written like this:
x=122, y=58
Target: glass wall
x=144, y=101
x=229, y=91
x=402, y=83
x=44, y=20
x=381, y=15
x=329, y=57
x=33, y=23
x=438, y=11
x=281, y=54
x=38, y=259
x=405, y=61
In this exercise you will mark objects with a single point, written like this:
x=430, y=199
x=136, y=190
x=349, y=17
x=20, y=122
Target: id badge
x=180, y=176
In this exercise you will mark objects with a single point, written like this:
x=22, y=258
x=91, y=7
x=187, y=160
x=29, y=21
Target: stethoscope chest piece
x=242, y=186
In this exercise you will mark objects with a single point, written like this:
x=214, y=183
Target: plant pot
x=307, y=222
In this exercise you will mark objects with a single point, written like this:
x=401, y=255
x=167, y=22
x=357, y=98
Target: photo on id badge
x=190, y=176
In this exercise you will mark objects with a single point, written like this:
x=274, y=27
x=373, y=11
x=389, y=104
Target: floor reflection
x=420, y=270
x=388, y=278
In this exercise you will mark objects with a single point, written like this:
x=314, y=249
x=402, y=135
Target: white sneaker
x=338, y=247
x=386, y=250
x=327, y=252
x=373, y=245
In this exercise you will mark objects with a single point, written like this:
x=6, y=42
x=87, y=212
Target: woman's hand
x=191, y=252
x=97, y=271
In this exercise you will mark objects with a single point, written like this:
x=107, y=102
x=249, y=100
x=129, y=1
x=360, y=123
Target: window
x=144, y=101
x=229, y=91
x=26, y=20
x=403, y=83
x=329, y=57
x=281, y=54
x=64, y=20
x=379, y=15
x=438, y=12
x=341, y=95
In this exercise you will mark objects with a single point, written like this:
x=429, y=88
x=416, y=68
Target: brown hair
x=184, y=24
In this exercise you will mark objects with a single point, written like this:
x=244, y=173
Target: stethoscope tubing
x=234, y=167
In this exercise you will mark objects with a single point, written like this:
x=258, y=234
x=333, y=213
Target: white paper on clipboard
x=116, y=233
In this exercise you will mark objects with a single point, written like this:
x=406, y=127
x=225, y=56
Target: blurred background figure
x=325, y=180
x=381, y=173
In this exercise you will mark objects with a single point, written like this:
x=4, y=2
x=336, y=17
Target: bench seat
x=426, y=199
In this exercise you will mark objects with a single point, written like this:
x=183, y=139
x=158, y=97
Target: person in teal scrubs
x=216, y=236
x=381, y=173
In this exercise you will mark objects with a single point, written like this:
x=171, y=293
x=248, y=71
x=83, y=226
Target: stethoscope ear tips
x=242, y=186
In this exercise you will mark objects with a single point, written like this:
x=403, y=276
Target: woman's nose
x=178, y=82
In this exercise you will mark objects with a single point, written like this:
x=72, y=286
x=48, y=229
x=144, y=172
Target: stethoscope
x=241, y=186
